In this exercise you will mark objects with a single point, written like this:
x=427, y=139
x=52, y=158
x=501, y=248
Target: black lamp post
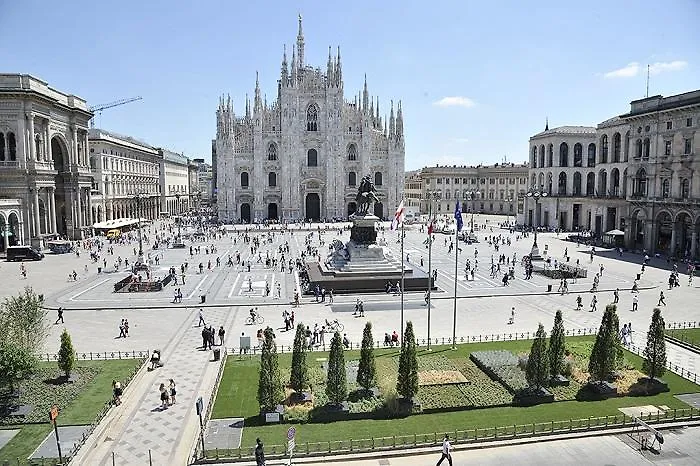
x=471, y=196
x=179, y=218
x=536, y=194
x=430, y=196
x=139, y=198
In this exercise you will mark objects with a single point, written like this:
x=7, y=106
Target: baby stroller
x=156, y=361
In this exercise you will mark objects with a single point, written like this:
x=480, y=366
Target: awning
x=118, y=223
x=615, y=233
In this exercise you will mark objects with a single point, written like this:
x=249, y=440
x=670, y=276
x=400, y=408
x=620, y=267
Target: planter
x=559, y=381
x=533, y=396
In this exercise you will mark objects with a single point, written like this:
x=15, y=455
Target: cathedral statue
x=366, y=195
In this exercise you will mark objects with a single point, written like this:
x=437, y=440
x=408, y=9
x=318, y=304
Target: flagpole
x=403, y=277
x=454, y=311
x=430, y=256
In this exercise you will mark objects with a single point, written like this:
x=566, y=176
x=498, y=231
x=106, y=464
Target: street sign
x=290, y=446
x=53, y=413
x=291, y=432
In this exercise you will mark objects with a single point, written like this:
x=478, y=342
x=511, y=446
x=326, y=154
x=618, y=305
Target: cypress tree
x=556, y=346
x=66, y=354
x=537, y=370
x=270, y=391
x=299, y=379
x=367, y=370
x=654, y=364
x=407, y=383
x=605, y=353
x=336, y=384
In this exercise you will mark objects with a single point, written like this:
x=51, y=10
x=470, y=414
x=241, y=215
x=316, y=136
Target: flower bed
x=501, y=365
x=436, y=377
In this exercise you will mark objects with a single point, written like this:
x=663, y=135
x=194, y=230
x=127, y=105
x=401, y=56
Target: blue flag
x=458, y=216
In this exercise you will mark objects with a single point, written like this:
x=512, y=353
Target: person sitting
x=346, y=342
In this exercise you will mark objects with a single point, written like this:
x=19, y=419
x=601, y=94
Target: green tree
x=537, y=370
x=336, y=384
x=66, y=354
x=367, y=371
x=299, y=378
x=654, y=364
x=605, y=353
x=16, y=364
x=24, y=320
x=407, y=383
x=270, y=391
x=556, y=346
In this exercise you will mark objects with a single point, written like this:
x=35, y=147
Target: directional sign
x=53, y=414
x=291, y=432
x=290, y=446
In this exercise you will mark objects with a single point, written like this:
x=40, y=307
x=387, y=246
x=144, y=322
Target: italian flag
x=398, y=217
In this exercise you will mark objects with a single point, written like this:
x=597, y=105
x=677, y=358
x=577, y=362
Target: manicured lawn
x=688, y=335
x=237, y=398
x=82, y=409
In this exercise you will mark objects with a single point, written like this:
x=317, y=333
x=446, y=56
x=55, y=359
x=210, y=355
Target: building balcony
x=9, y=164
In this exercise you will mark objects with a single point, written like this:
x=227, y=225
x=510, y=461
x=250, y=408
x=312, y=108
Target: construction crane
x=98, y=108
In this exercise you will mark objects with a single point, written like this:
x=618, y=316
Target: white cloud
x=660, y=67
x=460, y=140
x=446, y=160
x=455, y=101
x=628, y=71
x=633, y=69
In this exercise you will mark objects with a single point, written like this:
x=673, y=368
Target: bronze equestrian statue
x=366, y=195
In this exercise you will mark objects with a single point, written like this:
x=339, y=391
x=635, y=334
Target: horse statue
x=366, y=195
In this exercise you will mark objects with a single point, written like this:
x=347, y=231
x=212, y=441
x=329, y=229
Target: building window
x=688, y=122
x=456, y=180
x=352, y=152
x=666, y=188
x=604, y=149
x=2, y=147
x=647, y=148
x=312, y=118
x=272, y=151
x=378, y=179
x=550, y=155
x=667, y=147
x=312, y=158
x=447, y=194
x=641, y=183
x=685, y=188
x=564, y=155
x=272, y=179
x=669, y=125
x=464, y=181
x=352, y=179
x=244, y=180
x=638, y=149
x=687, y=146
x=578, y=155
x=617, y=147
x=447, y=181
x=591, y=155
x=439, y=181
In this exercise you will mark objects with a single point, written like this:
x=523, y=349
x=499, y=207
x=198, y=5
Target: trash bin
x=639, y=276
x=203, y=299
x=217, y=354
x=549, y=288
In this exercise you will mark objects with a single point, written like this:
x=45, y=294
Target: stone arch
x=561, y=184
x=540, y=181
x=550, y=155
x=14, y=230
x=604, y=148
x=533, y=159
x=59, y=153
x=563, y=154
x=245, y=213
x=638, y=231
x=602, y=183
x=352, y=152
x=577, y=184
x=578, y=155
x=591, y=155
x=664, y=231
x=541, y=156
x=272, y=151
x=533, y=181
x=617, y=148
x=615, y=182
x=590, y=184
x=683, y=227
x=550, y=183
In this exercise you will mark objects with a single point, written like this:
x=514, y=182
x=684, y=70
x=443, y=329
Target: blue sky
x=503, y=66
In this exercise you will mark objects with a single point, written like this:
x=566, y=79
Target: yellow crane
x=98, y=108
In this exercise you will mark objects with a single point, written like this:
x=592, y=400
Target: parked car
x=23, y=253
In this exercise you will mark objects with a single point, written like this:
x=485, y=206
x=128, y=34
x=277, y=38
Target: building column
x=694, y=244
x=90, y=219
x=6, y=237
x=36, y=222
x=673, y=240
x=86, y=151
x=52, y=208
x=649, y=237
x=79, y=210
x=32, y=143
x=47, y=143
x=46, y=212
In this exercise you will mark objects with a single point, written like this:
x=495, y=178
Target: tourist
x=661, y=299
x=117, y=392
x=446, y=451
x=259, y=453
x=173, y=391
x=163, y=397
x=512, y=316
x=201, y=318
x=635, y=302
x=60, y=316
x=616, y=295
x=594, y=303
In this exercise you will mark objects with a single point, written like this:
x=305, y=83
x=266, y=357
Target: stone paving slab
x=68, y=435
x=6, y=435
x=693, y=399
x=637, y=411
x=223, y=433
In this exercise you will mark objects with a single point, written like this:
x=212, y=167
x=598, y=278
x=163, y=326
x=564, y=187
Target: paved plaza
x=137, y=428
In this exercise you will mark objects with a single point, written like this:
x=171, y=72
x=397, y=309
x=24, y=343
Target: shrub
x=537, y=371
x=336, y=383
x=66, y=354
x=298, y=378
x=270, y=392
x=367, y=371
x=556, y=346
x=407, y=382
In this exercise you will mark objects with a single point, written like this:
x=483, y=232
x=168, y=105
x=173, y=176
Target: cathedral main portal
x=313, y=207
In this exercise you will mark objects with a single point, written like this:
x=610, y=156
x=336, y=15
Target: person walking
x=594, y=303
x=259, y=453
x=616, y=295
x=661, y=298
x=512, y=316
x=163, y=397
x=579, y=303
x=201, y=318
x=445, y=451
x=222, y=333
x=635, y=302
x=173, y=392
x=60, y=316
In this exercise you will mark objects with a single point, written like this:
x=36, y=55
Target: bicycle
x=258, y=319
x=334, y=326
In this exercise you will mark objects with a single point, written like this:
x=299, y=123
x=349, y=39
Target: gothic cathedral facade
x=303, y=156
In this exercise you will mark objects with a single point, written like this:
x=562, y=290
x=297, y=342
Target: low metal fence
x=210, y=405
x=457, y=437
x=99, y=356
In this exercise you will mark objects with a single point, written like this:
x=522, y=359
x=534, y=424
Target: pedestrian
x=222, y=333
x=616, y=295
x=60, y=316
x=579, y=303
x=330, y=296
x=173, y=391
x=445, y=451
x=126, y=328
x=594, y=303
x=259, y=453
x=512, y=316
x=163, y=397
x=661, y=299
x=201, y=318
x=117, y=392
x=635, y=302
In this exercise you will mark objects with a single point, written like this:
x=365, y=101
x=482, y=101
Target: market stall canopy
x=615, y=233
x=118, y=223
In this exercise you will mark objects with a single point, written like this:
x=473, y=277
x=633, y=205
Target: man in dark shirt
x=259, y=453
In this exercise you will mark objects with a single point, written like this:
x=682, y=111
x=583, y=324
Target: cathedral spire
x=378, y=118
x=284, y=74
x=399, y=122
x=365, y=96
x=294, y=68
x=329, y=69
x=338, y=71
x=257, y=104
x=392, y=122
x=546, y=125
x=300, y=44
x=371, y=111
x=247, y=107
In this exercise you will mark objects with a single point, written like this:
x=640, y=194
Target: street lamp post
x=139, y=198
x=471, y=197
x=536, y=194
x=179, y=218
x=430, y=196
